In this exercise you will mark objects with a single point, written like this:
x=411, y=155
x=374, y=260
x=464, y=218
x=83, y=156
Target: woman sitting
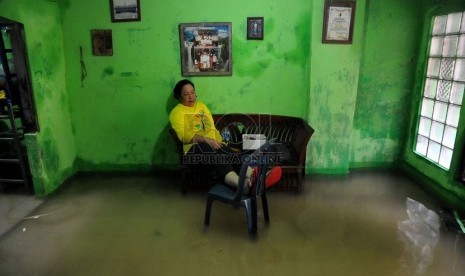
x=195, y=128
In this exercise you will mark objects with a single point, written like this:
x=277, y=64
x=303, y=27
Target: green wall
x=392, y=36
x=120, y=111
x=51, y=151
x=333, y=92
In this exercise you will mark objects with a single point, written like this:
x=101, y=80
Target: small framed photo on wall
x=255, y=28
x=338, y=22
x=102, y=42
x=125, y=10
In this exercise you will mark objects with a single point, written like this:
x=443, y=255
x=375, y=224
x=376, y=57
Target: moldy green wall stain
x=107, y=71
x=333, y=76
x=383, y=98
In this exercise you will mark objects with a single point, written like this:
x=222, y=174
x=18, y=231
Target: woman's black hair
x=178, y=88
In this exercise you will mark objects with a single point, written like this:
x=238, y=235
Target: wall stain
x=270, y=47
x=136, y=36
x=298, y=55
x=139, y=87
x=50, y=160
x=245, y=88
x=346, y=77
x=107, y=71
x=52, y=157
x=266, y=54
x=64, y=4
x=129, y=74
x=132, y=30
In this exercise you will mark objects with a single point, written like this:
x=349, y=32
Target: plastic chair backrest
x=259, y=158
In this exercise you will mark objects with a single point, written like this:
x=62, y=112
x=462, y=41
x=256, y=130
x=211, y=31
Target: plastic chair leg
x=251, y=207
x=265, y=208
x=208, y=211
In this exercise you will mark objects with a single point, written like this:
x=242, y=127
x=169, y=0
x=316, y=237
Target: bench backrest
x=292, y=131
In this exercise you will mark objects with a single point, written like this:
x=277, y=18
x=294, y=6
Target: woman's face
x=188, y=95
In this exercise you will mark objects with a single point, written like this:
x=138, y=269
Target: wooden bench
x=292, y=135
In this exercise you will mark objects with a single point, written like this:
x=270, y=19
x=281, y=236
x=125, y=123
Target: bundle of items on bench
x=292, y=136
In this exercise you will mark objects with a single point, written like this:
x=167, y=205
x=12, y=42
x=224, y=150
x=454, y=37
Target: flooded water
x=364, y=224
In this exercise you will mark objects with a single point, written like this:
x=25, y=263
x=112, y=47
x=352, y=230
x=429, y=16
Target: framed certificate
x=338, y=22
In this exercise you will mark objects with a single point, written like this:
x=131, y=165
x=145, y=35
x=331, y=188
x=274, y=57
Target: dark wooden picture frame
x=125, y=10
x=255, y=26
x=206, y=49
x=338, y=22
x=102, y=42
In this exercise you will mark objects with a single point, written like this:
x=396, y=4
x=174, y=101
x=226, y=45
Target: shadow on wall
x=164, y=154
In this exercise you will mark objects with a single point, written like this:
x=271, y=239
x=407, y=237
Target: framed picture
x=125, y=10
x=102, y=42
x=338, y=21
x=255, y=28
x=206, y=49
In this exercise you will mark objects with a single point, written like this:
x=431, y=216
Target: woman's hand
x=212, y=142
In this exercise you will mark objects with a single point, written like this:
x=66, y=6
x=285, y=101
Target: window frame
x=445, y=79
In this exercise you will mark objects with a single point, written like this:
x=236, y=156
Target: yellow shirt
x=188, y=121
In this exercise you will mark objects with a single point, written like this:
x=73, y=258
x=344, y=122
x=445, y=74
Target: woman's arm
x=201, y=139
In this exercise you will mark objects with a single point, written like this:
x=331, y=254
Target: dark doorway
x=17, y=108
